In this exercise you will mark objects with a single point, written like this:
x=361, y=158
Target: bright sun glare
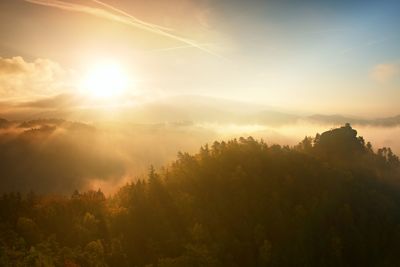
x=105, y=80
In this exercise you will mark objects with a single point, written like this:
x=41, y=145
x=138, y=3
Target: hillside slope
x=329, y=201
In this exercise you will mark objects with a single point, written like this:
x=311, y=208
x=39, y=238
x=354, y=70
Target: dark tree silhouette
x=329, y=201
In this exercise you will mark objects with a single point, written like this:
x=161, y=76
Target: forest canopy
x=331, y=200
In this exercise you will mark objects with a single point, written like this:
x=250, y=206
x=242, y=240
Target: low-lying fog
x=58, y=156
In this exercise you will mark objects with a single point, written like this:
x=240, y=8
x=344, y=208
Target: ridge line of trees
x=331, y=200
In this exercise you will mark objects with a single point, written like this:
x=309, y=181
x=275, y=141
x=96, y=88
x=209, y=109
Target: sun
x=105, y=80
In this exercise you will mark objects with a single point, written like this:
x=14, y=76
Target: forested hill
x=332, y=200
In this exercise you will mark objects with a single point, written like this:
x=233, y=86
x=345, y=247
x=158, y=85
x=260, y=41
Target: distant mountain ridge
x=268, y=118
x=188, y=108
x=339, y=119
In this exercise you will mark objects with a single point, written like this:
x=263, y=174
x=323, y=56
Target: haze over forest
x=59, y=155
x=154, y=79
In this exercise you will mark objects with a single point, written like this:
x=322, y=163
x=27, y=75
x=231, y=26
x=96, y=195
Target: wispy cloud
x=117, y=15
x=384, y=72
x=365, y=45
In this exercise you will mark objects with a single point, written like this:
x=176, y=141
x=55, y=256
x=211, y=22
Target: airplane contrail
x=126, y=19
x=131, y=17
x=177, y=47
x=159, y=29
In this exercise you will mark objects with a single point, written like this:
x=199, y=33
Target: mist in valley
x=60, y=155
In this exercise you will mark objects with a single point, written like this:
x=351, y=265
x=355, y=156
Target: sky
x=329, y=57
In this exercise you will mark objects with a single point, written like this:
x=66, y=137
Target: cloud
x=20, y=78
x=14, y=65
x=385, y=72
x=53, y=102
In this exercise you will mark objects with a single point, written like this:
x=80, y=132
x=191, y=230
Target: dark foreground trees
x=329, y=201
